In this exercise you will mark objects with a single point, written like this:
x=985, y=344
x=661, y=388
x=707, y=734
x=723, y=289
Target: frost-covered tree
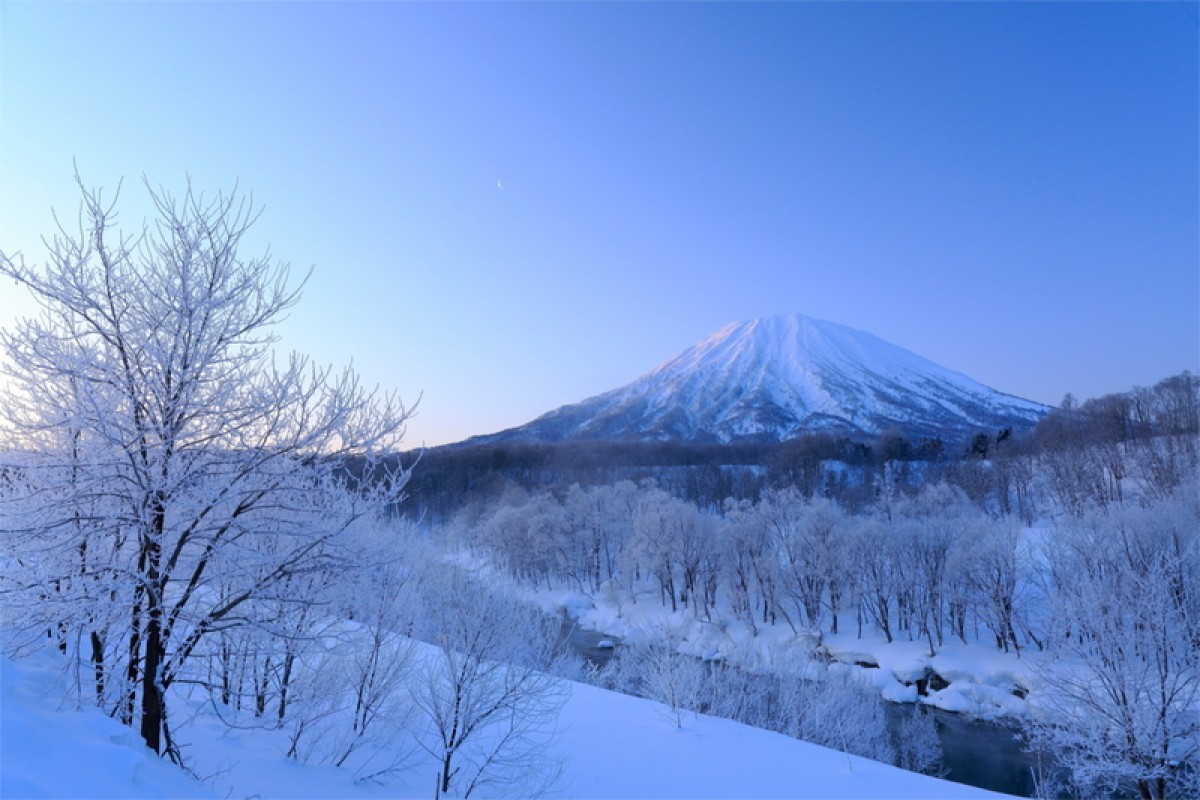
x=1170, y=410
x=918, y=748
x=172, y=470
x=508, y=538
x=663, y=541
x=348, y=690
x=836, y=708
x=1117, y=704
x=873, y=551
x=742, y=543
x=790, y=525
x=598, y=531
x=655, y=667
x=486, y=700
x=828, y=705
x=927, y=529
x=989, y=563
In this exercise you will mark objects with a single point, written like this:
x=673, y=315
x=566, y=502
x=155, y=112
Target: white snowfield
x=612, y=746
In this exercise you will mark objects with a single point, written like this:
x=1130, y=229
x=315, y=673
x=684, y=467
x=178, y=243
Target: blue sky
x=514, y=206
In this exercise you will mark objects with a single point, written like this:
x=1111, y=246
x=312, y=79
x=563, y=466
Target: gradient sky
x=514, y=206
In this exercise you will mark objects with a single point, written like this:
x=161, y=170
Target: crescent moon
x=498, y=186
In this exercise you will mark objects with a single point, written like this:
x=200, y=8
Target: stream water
x=975, y=752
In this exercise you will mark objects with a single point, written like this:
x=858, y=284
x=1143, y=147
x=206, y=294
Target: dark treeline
x=451, y=478
x=1085, y=447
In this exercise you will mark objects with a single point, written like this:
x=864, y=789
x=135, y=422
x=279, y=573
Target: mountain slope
x=774, y=378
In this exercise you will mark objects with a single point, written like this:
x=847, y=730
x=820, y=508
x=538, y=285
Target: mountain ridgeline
x=777, y=378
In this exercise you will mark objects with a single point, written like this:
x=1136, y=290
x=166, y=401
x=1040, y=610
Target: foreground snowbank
x=612, y=746
x=45, y=752
x=622, y=746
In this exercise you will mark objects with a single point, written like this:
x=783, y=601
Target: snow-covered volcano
x=774, y=378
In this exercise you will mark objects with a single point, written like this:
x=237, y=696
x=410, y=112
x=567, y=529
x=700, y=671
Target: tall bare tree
x=172, y=470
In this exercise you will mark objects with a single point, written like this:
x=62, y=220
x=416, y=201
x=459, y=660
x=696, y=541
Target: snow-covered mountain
x=774, y=378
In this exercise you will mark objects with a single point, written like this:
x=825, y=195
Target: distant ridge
x=778, y=377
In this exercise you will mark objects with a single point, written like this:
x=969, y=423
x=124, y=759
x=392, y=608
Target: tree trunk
x=132, y=667
x=152, y=700
x=446, y=771
x=285, y=683
x=98, y=666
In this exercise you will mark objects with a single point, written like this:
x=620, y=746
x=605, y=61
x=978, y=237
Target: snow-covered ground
x=47, y=751
x=611, y=746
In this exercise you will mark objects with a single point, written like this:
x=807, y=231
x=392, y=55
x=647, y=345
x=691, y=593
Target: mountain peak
x=773, y=378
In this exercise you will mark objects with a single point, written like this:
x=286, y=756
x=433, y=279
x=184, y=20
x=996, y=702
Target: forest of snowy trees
x=1104, y=582
x=185, y=517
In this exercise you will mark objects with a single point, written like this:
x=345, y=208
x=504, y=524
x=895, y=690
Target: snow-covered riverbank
x=972, y=678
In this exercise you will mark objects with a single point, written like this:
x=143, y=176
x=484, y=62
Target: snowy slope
x=48, y=752
x=771, y=379
x=611, y=745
